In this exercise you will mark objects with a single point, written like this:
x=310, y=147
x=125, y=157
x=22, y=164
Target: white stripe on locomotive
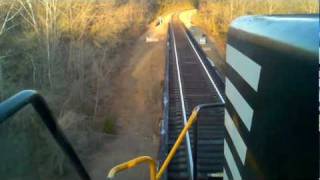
x=240, y=104
x=247, y=68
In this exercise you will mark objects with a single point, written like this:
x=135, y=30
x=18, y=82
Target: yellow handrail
x=178, y=142
x=152, y=163
x=132, y=163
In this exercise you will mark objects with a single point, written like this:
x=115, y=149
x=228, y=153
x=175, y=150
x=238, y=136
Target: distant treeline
x=215, y=16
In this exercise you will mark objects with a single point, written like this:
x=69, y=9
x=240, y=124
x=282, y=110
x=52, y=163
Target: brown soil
x=136, y=103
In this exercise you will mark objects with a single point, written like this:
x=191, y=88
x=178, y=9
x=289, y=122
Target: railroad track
x=193, y=81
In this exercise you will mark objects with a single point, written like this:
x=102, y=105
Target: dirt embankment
x=136, y=103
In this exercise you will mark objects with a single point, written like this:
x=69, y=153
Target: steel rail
x=189, y=150
x=204, y=67
x=192, y=119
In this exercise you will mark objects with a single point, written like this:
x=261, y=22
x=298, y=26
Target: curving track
x=193, y=81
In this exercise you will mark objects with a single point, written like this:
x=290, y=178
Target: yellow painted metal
x=152, y=163
x=178, y=142
x=133, y=163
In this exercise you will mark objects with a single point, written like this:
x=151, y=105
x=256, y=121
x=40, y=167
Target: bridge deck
x=190, y=85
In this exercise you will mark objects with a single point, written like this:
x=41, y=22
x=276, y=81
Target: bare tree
x=271, y=5
x=9, y=16
x=29, y=15
x=310, y=6
x=1, y=78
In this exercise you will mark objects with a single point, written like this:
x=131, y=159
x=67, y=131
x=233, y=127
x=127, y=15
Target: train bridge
x=259, y=122
x=193, y=81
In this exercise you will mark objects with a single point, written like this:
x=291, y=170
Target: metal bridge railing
x=15, y=103
x=152, y=163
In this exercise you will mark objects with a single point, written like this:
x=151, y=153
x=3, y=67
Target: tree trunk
x=1, y=82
